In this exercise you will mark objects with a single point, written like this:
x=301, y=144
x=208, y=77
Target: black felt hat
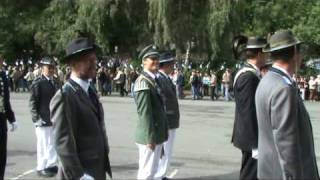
x=166, y=57
x=256, y=43
x=79, y=46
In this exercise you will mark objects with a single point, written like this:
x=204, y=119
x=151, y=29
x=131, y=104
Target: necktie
x=51, y=82
x=93, y=97
x=171, y=84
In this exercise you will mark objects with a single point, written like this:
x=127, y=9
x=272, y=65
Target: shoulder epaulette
x=243, y=70
x=141, y=84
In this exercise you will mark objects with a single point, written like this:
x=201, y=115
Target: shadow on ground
x=12, y=153
x=126, y=167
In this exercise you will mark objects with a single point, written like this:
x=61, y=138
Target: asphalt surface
x=202, y=149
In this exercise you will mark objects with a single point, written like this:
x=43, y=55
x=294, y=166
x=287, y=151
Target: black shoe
x=45, y=173
x=53, y=169
x=165, y=178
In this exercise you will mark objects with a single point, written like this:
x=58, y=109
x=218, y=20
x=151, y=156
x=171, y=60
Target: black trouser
x=3, y=147
x=213, y=93
x=122, y=90
x=248, y=167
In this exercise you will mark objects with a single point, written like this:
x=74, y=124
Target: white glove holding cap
x=13, y=126
x=39, y=123
x=86, y=177
x=255, y=153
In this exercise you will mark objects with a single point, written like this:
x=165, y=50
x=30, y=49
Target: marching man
x=245, y=131
x=151, y=130
x=43, y=89
x=6, y=114
x=170, y=100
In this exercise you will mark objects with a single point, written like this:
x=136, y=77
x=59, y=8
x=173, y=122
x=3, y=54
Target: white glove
x=39, y=122
x=255, y=153
x=86, y=177
x=14, y=126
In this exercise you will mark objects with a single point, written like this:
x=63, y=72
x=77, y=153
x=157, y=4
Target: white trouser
x=165, y=160
x=46, y=154
x=148, y=162
x=302, y=93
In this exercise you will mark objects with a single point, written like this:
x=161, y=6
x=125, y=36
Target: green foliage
x=206, y=26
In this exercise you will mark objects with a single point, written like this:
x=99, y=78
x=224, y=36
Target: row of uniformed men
x=272, y=126
x=158, y=112
x=69, y=120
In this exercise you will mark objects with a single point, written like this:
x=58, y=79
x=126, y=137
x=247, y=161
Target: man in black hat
x=245, y=131
x=286, y=145
x=151, y=130
x=170, y=100
x=78, y=119
x=43, y=89
x=6, y=113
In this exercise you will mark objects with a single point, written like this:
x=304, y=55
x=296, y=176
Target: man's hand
x=39, y=123
x=14, y=126
x=255, y=153
x=86, y=177
x=151, y=146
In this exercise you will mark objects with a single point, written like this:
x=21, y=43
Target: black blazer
x=245, y=130
x=170, y=100
x=42, y=90
x=79, y=134
x=7, y=113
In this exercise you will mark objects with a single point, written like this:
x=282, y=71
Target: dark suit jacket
x=7, y=113
x=245, y=130
x=170, y=100
x=42, y=90
x=286, y=145
x=79, y=134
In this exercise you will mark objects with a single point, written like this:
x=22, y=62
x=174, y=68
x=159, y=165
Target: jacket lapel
x=84, y=96
x=156, y=85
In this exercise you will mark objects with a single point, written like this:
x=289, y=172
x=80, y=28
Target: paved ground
x=202, y=149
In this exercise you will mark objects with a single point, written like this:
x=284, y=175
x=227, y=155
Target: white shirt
x=256, y=68
x=284, y=71
x=84, y=84
x=48, y=78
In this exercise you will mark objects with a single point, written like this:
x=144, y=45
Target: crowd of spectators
x=118, y=76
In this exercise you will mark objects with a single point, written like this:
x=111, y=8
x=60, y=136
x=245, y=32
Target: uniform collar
x=84, y=84
x=284, y=71
x=152, y=75
x=48, y=78
x=255, y=67
x=163, y=73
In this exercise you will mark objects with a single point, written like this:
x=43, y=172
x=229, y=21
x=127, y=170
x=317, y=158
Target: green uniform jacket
x=152, y=127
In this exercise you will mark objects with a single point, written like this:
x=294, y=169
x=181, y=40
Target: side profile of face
x=261, y=59
x=151, y=64
x=85, y=66
x=168, y=67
